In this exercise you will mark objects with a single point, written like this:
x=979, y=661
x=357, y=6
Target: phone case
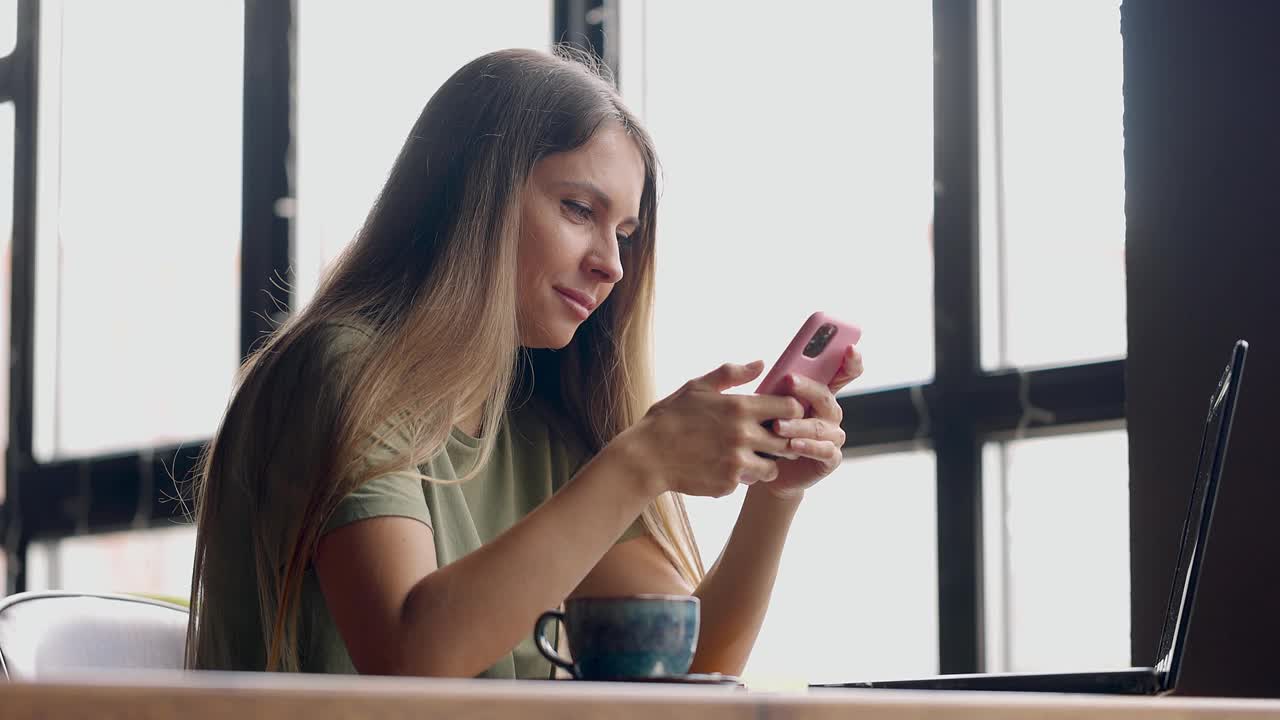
x=825, y=365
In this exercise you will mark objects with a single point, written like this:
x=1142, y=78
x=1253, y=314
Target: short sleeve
x=397, y=494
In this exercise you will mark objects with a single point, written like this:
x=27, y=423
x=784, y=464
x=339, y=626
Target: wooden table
x=200, y=696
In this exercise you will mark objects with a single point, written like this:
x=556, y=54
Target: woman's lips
x=578, y=308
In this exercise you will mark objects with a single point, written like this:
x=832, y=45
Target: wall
x=1202, y=164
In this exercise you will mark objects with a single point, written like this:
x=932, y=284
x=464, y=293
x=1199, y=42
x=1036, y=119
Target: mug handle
x=544, y=646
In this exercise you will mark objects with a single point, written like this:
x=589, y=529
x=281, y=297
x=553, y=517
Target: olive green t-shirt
x=531, y=460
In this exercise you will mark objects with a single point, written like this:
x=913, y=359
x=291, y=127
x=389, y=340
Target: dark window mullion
x=1072, y=396
x=21, y=87
x=957, y=336
x=882, y=418
x=108, y=492
x=267, y=200
x=590, y=25
x=9, y=68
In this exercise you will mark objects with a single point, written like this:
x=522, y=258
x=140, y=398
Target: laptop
x=1162, y=678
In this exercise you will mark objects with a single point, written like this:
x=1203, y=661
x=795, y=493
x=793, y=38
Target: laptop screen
x=1213, y=446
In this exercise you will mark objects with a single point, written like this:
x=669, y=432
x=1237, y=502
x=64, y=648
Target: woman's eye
x=624, y=240
x=577, y=209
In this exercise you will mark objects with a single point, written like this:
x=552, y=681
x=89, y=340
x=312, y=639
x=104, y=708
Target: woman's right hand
x=700, y=441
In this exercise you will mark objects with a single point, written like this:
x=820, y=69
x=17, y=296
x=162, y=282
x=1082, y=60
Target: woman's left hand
x=816, y=440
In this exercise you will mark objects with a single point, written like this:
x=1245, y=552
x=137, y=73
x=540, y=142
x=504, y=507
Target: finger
x=814, y=394
x=762, y=440
x=850, y=369
x=757, y=469
x=810, y=429
x=784, y=456
x=823, y=451
x=728, y=375
x=770, y=407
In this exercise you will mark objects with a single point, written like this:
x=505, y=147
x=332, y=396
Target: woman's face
x=579, y=209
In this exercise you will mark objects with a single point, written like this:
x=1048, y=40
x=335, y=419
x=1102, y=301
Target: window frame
x=954, y=414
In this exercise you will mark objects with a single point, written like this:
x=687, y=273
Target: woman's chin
x=563, y=342
x=556, y=342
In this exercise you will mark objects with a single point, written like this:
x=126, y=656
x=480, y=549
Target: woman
x=457, y=433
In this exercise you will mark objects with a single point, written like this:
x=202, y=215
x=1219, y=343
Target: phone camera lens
x=819, y=341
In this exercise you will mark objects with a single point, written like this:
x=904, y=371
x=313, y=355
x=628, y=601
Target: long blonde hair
x=430, y=277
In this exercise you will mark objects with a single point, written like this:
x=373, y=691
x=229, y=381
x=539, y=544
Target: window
x=840, y=113
x=153, y=562
x=138, y=222
x=1053, y=293
x=365, y=71
x=1057, y=567
x=1053, y=182
x=843, y=607
x=801, y=135
x=774, y=160
x=8, y=26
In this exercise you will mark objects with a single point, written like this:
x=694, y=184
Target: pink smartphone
x=816, y=351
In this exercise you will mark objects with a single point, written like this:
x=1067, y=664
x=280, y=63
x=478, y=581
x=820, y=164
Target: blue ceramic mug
x=621, y=638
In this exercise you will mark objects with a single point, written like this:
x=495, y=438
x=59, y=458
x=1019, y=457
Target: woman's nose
x=605, y=261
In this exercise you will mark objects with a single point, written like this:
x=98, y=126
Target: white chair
x=46, y=633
